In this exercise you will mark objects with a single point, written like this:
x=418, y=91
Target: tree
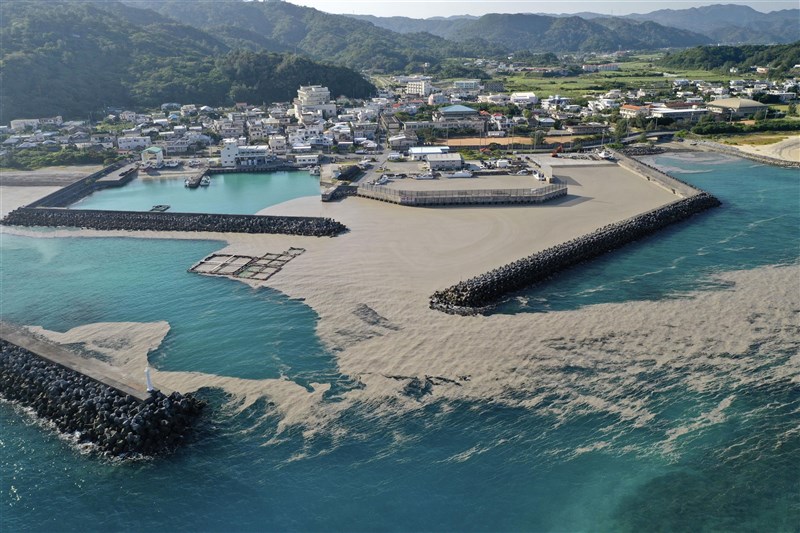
x=538, y=137
x=620, y=129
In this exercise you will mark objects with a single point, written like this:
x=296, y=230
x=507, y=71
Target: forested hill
x=321, y=36
x=75, y=58
x=725, y=24
x=542, y=33
x=731, y=24
x=780, y=58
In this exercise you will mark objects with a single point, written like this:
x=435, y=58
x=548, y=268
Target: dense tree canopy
x=780, y=58
x=75, y=58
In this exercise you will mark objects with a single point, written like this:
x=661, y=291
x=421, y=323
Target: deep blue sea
x=468, y=466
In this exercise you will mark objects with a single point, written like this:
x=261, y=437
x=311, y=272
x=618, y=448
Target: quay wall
x=462, y=197
x=166, y=221
x=83, y=187
x=662, y=179
x=118, y=424
x=479, y=293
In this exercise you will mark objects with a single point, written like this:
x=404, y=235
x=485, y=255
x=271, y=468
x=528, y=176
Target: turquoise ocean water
x=473, y=466
x=243, y=194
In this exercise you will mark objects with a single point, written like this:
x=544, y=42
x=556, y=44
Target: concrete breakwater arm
x=477, y=294
x=118, y=420
x=650, y=173
x=159, y=221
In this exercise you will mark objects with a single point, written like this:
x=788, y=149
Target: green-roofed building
x=153, y=154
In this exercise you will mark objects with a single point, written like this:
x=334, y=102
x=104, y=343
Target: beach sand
x=370, y=288
x=787, y=150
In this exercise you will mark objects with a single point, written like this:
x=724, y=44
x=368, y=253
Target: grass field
x=632, y=74
x=754, y=139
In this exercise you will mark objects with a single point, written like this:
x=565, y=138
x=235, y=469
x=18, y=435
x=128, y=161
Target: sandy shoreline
x=783, y=153
x=394, y=257
x=787, y=150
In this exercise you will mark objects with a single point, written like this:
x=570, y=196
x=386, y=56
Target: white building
x=235, y=155
x=420, y=88
x=438, y=99
x=22, y=123
x=153, y=153
x=499, y=99
x=524, y=98
x=445, y=161
x=306, y=159
x=467, y=85
x=133, y=143
x=277, y=143
x=314, y=99
x=420, y=153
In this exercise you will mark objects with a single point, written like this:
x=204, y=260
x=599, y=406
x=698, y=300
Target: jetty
x=89, y=401
x=92, y=368
x=478, y=294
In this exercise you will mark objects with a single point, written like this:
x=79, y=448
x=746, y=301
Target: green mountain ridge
x=321, y=36
x=731, y=23
x=76, y=58
x=780, y=58
x=543, y=33
x=726, y=24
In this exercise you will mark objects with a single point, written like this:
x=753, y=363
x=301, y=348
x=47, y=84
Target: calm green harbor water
x=242, y=194
x=459, y=466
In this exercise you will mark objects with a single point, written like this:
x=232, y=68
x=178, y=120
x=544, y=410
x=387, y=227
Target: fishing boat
x=205, y=181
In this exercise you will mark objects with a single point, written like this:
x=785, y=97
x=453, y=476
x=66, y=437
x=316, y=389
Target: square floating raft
x=245, y=266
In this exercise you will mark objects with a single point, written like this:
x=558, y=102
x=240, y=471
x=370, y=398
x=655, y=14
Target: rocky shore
x=116, y=423
x=475, y=295
x=155, y=221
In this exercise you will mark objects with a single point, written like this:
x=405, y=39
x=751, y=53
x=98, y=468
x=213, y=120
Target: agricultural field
x=632, y=75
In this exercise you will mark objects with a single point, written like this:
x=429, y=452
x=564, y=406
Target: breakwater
x=166, y=221
x=477, y=294
x=85, y=186
x=118, y=424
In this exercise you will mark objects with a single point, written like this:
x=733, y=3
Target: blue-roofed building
x=459, y=117
x=457, y=112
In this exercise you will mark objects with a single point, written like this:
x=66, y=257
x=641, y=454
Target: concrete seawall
x=462, y=197
x=85, y=399
x=158, y=221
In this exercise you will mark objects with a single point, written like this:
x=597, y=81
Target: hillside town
x=408, y=111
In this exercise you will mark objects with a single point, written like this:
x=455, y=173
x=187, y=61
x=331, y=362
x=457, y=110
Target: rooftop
x=457, y=109
x=736, y=103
